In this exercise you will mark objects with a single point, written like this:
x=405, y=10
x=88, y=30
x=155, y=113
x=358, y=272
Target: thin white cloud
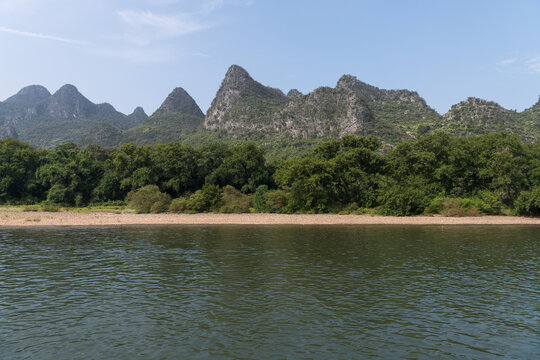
x=39, y=36
x=148, y=35
x=163, y=25
x=507, y=61
x=212, y=5
x=534, y=64
x=520, y=65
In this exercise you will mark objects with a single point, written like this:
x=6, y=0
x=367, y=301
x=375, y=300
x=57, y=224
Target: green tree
x=70, y=174
x=243, y=167
x=18, y=163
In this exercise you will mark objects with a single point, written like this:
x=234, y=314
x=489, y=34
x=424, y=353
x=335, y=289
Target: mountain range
x=245, y=109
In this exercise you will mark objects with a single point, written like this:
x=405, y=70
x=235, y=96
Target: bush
x=234, y=201
x=259, y=200
x=179, y=205
x=351, y=208
x=31, y=208
x=149, y=199
x=277, y=200
x=162, y=205
x=453, y=207
x=57, y=194
x=489, y=203
x=486, y=203
x=50, y=208
x=206, y=199
x=528, y=203
x=402, y=201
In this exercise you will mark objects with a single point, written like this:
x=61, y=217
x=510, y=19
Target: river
x=269, y=292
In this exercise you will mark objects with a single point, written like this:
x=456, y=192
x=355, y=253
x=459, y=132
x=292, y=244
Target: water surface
x=267, y=292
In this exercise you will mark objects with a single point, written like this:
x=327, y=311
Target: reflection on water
x=298, y=292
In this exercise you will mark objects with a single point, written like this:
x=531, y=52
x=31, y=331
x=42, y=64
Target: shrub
x=161, y=205
x=57, y=194
x=456, y=207
x=277, y=200
x=453, y=207
x=423, y=129
x=402, y=201
x=435, y=206
x=489, y=203
x=50, y=208
x=351, y=208
x=206, y=199
x=234, y=201
x=528, y=203
x=259, y=200
x=30, y=208
x=179, y=205
x=149, y=199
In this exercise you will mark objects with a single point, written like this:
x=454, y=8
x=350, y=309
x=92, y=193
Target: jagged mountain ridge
x=242, y=104
x=245, y=109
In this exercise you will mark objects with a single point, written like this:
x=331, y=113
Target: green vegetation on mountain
x=47, y=120
x=242, y=106
x=529, y=121
x=489, y=174
x=178, y=116
x=476, y=116
x=246, y=110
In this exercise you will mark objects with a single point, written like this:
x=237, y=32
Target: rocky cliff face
x=325, y=112
x=242, y=105
x=372, y=93
x=245, y=108
x=8, y=131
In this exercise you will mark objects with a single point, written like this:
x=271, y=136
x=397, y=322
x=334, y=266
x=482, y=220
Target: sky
x=134, y=53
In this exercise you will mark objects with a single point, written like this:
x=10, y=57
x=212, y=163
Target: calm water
x=227, y=292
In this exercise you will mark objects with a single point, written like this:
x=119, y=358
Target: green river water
x=270, y=292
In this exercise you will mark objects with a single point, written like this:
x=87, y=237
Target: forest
x=489, y=174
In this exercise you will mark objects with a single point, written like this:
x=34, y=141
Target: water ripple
x=234, y=292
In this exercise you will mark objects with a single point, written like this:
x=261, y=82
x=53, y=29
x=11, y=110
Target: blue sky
x=132, y=53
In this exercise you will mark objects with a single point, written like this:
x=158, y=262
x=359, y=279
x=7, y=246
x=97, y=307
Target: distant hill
x=244, y=109
x=477, y=116
x=42, y=119
x=178, y=115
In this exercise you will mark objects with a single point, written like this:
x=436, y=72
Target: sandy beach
x=28, y=219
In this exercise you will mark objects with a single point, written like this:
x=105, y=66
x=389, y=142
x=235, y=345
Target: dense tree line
x=437, y=173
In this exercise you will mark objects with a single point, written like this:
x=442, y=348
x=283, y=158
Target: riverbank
x=29, y=219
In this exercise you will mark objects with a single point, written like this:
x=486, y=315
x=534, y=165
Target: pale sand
x=27, y=219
